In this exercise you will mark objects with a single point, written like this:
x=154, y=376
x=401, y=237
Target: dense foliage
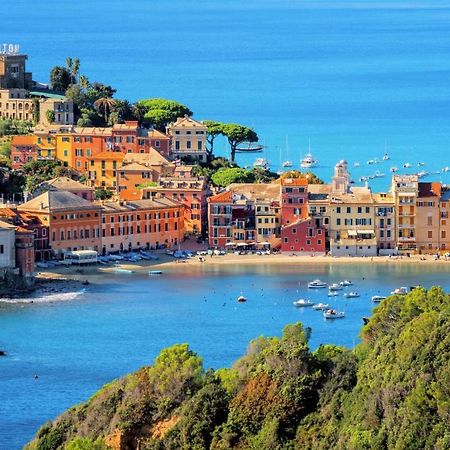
x=391, y=392
x=159, y=112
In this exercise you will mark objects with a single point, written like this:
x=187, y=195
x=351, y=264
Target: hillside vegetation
x=391, y=392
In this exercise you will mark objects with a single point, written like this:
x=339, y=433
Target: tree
x=225, y=176
x=106, y=105
x=102, y=194
x=214, y=129
x=312, y=179
x=138, y=111
x=237, y=134
x=60, y=79
x=50, y=116
x=122, y=111
x=161, y=112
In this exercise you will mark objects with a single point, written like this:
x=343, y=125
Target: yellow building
x=103, y=169
x=16, y=104
x=46, y=142
x=188, y=138
x=385, y=223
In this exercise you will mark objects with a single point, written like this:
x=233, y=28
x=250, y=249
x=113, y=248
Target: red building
x=23, y=149
x=294, y=199
x=25, y=254
x=220, y=215
x=303, y=235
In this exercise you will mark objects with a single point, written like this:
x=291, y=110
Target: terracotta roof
x=135, y=205
x=23, y=140
x=7, y=212
x=55, y=201
x=153, y=158
x=357, y=195
x=256, y=191
x=23, y=230
x=222, y=197
x=155, y=134
x=187, y=122
x=64, y=184
x=302, y=181
x=110, y=156
x=134, y=166
x=430, y=189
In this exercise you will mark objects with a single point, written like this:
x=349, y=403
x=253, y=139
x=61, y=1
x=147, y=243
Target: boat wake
x=46, y=298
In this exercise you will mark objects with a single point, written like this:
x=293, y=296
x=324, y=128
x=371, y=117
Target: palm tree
x=105, y=104
x=139, y=112
x=84, y=82
x=123, y=109
x=75, y=68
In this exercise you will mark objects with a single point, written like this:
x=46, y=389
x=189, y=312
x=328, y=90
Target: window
x=2, y=249
x=177, y=144
x=338, y=221
x=199, y=145
x=294, y=230
x=188, y=145
x=430, y=234
x=338, y=210
x=349, y=210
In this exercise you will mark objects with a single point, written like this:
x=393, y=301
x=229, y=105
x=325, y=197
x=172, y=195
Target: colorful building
x=141, y=224
x=23, y=150
x=103, y=169
x=65, y=184
x=303, y=236
x=73, y=222
x=188, y=138
x=16, y=104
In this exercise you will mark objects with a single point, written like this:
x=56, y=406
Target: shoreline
x=80, y=274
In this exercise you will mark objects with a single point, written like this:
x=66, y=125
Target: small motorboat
x=241, y=299
x=287, y=164
x=422, y=174
x=378, y=174
x=333, y=293
x=370, y=162
x=335, y=287
x=363, y=179
x=317, y=284
x=378, y=298
x=386, y=157
x=119, y=270
x=393, y=169
x=308, y=161
x=400, y=291
x=420, y=164
x=155, y=272
x=356, y=164
x=321, y=306
x=333, y=314
x=261, y=163
x=446, y=169
x=407, y=165
x=351, y=295
x=346, y=283
x=302, y=303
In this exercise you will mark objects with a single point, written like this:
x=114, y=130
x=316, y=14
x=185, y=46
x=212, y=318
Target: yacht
x=400, y=291
x=241, y=299
x=317, y=284
x=321, y=306
x=351, y=295
x=335, y=287
x=308, y=161
x=346, y=283
x=333, y=293
x=303, y=303
x=261, y=163
x=287, y=164
x=333, y=314
x=378, y=298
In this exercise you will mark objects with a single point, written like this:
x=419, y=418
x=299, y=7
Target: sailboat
x=287, y=163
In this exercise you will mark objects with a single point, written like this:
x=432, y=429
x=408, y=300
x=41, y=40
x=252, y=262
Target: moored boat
x=317, y=284
x=335, y=287
x=400, y=291
x=351, y=294
x=308, y=161
x=302, y=303
x=333, y=314
x=321, y=306
x=287, y=164
x=261, y=163
x=333, y=293
x=346, y=283
x=241, y=299
x=155, y=272
x=378, y=298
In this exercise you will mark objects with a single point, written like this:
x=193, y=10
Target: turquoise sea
x=350, y=76
x=77, y=342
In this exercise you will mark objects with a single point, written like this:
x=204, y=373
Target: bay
x=77, y=342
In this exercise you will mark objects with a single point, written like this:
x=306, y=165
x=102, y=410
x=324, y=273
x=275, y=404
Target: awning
x=264, y=243
x=230, y=243
x=351, y=233
x=365, y=231
x=242, y=244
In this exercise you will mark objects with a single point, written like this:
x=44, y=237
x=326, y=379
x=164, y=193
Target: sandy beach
x=169, y=262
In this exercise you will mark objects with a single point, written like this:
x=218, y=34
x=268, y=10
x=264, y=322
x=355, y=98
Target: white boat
x=378, y=174
x=370, y=162
x=378, y=298
x=386, y=157
x=308, y=161
x=321, y=306
x=393, y=169
x=155, y=272
x=241, y=299
x=302, y=303
x=446, y=169
x=346, y=283
x=333, y=314
x=362, y=179
x=317, y=284
x=407, y=165
x=333, y=293
x=351, y=295
x=356, y=164
x=420, y=164
x=261, y=163
x=287, y=164
x=422, y=174
x=119, y=270
x=400, y=291
x=335, y=287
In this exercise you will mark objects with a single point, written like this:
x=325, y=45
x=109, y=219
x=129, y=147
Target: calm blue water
x=350, y=76
x=79, y=343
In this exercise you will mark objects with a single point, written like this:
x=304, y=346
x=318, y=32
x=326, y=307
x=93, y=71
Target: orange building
x=191, y=192
x=141, y=224
x=103, y=169
x=138, y=169
x=73, y=223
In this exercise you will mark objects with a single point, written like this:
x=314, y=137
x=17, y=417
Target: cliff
x=391, y=392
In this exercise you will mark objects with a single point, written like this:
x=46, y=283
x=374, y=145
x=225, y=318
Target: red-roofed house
x=23, y=149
